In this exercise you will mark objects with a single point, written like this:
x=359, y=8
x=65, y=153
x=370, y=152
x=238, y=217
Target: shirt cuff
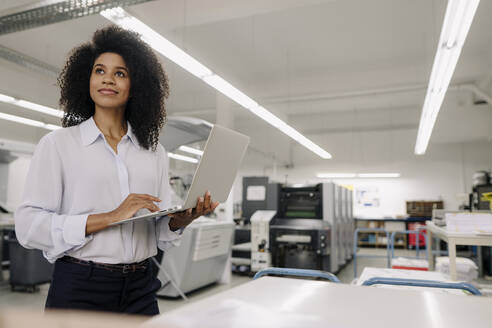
x=166, y=232
x=74, y=229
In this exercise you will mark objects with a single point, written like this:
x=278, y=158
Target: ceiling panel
x=279, y=51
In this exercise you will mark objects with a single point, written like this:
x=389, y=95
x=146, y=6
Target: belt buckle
x=127, y=268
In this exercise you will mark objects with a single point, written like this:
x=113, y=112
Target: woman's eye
x=120, y=74
x=99, y=70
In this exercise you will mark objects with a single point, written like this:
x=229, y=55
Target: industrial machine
x=258, y=195
x=299, y=237
x=200, y=259
x=349, y=226
x=350, y=204
x=342, y=233
x=332, y=217
x=312, y=229
x=308, y=227
x=260, y=243
x=300, y=243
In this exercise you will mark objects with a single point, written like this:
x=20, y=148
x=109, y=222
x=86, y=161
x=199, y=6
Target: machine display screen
x=301, y=214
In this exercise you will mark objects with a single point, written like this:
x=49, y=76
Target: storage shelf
x=370, y=243
x=379, y=238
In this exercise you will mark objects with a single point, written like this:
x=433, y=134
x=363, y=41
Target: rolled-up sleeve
x=38, y=222
x=165, y=237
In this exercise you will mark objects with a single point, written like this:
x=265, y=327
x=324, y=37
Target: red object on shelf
x=412, y=237
x=409, y=268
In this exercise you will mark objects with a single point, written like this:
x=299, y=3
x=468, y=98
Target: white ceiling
x=297, y=58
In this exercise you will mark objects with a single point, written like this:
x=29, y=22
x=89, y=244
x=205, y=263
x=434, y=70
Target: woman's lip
x=107, y=91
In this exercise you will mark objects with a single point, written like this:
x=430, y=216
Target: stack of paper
x=466, y=269
x=467, y=222
x=409, y=264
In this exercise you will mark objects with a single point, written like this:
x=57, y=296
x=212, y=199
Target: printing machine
x=351, y=222
x=348, y=227
x=331, y=214
x=300, y=243
x=248, y=255
x=299, y=236
x=200, y=259
x=260, y=239
x=311, y=229
x=341, y=225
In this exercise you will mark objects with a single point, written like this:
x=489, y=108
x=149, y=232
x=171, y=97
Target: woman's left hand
x=204, y=206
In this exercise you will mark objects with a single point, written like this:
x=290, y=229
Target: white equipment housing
x=260, y=236
x=201, y=257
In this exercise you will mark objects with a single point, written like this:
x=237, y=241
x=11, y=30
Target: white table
x=283, y=302
x=453, y=239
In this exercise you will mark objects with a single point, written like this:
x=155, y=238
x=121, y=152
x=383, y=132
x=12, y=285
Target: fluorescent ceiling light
x=230, y=91
x=163, y=46
x=336, y=175
x=182, y=158
x=357, y=175
x=457, y=22
x=27, y=121
x=30, y=105
x=120, y=17
x=191, y=150
x=378, y=175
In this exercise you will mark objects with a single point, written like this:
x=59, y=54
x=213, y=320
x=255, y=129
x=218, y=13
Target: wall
x=444, y=174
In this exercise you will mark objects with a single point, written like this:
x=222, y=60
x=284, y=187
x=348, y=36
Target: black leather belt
x=123, y=268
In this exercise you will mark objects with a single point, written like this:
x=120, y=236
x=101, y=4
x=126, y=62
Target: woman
x=103, y=167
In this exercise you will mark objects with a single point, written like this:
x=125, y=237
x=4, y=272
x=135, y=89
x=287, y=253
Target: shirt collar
x=90, y=132
x=132, y=136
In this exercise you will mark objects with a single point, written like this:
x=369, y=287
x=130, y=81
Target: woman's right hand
x=132, y=204
x=127, y=209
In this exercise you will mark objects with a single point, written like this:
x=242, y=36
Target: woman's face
x=110, y=81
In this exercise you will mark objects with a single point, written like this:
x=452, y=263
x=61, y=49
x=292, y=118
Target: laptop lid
x=218, y=166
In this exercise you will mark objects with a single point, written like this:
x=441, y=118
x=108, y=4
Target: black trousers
x=82, y=287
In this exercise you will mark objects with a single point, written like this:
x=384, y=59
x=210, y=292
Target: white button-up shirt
x=74, y=173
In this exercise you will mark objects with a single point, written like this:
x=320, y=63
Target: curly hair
x=145, y=109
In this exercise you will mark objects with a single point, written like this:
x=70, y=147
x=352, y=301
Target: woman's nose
x=108, y=81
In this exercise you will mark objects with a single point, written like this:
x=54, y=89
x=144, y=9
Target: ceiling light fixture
x=182, y=158
x=357, y=175
x=457, y=22
x=191, y=150
x=27, y=121
x=336, y=175
x=378, y=175
x=122, y=18
x=30, y=105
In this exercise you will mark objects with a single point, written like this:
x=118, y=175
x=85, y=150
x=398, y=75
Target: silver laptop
x=216, y=171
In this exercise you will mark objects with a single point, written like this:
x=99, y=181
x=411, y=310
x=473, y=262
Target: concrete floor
x=36, y=300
